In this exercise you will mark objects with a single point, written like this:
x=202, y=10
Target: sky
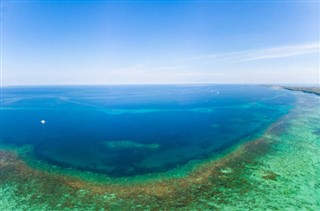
x=159, y=42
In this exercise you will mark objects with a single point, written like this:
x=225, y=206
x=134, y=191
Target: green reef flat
x=279, y=170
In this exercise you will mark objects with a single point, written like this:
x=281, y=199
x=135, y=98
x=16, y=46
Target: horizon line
x=163, y=84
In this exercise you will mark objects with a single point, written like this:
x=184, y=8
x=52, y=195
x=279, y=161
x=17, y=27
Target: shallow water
x=134, y=130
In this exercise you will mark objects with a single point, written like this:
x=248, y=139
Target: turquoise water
x=133, y=130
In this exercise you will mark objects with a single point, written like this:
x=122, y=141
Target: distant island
x=313, y=90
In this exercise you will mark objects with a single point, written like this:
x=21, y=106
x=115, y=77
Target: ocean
x=124, y=131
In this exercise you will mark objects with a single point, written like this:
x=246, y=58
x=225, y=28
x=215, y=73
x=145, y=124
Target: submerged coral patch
x=270, y=175
x=127, y=144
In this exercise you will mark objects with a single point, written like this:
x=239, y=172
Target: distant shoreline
x=310, y=90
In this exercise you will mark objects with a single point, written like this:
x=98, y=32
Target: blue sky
x=103, y=42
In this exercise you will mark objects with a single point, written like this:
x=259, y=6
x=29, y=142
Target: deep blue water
x=131, y=130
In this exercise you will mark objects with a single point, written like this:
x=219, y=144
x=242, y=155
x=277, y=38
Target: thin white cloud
x=262, y=54
x=281, y=52
x=203, y=69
